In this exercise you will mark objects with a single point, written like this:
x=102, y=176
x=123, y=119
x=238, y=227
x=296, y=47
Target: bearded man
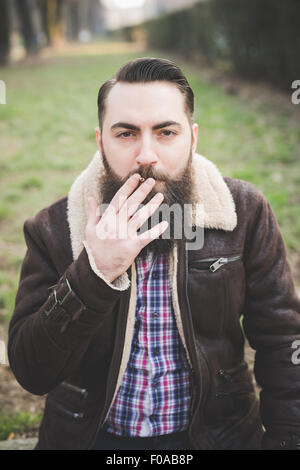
x=138, y=339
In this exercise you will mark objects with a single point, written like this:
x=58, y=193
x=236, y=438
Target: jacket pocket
x=210, y=295
x=62, y=410
x=68, y=400
x=232, y=397
x=74, y=388
x=235, y=386
x=229, y=374
x=235, y=294
x=213, y=264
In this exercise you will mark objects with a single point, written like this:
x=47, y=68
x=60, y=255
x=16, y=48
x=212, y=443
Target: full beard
x=178, y=190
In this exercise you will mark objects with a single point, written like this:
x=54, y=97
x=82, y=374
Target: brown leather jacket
x=71, y=331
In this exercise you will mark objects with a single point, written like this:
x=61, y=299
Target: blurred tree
x=26, y=24
x=96, y=18
x=43, y=10
x=4, y=32
x=56, y=20
x=73, y=19
x=53, y=19
x=84, y=19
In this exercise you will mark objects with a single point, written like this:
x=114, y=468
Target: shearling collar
x=215, y=206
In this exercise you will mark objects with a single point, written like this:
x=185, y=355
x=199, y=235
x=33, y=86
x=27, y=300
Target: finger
x=122, y=201
x=138, y=196
x=94, y=213
x=123, y=193
x=145, y=212
x=153, y=233
x=122, y=225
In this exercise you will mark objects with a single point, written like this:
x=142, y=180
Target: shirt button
x=155, y=314
x=155, y=275
x=155, y=351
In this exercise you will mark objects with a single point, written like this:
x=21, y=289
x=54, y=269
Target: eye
x=168, y=133
x=125, y=134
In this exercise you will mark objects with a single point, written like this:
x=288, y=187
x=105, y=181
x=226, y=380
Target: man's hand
x=113, y=237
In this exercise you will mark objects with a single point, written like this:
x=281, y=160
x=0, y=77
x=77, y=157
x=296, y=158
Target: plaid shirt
x=154, y=395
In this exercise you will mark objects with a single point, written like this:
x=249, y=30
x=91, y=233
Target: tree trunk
x=55, y=14
x=43, y=9
x=4, y=32
x=73, y=19
x=27, y=29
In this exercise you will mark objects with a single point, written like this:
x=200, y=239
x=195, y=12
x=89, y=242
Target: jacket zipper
x=227, y=374
x=75, y=415
x=82, y=391
x=192, y=351
x=218, y=262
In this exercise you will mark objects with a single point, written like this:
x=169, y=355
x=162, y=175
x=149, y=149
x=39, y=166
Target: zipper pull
x=225, y=375
x=217, y=264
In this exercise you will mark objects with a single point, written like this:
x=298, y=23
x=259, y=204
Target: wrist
x=120, y=280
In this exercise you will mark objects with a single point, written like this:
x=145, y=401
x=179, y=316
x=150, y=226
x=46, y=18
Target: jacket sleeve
x=54, y=316
x=272, y=325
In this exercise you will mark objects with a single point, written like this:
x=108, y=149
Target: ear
x=194, y=137
x=98, y=138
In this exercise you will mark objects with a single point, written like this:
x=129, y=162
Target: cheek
x=121, y=160
x=175, y=159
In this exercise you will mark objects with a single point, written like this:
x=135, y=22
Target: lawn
x=47, y=139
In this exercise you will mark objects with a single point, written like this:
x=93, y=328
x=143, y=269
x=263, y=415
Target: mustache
x=150, y=172
x=176, y=189
x=147, y=172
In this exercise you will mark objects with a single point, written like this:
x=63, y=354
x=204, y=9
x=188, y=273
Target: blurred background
x=242, y=59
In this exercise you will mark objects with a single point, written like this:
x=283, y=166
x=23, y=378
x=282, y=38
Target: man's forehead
x=159, y=100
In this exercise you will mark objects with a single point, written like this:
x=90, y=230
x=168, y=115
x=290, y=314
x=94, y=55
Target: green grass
x=17, y=423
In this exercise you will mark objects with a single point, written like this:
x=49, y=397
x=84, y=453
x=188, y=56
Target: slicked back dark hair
x=148, y=69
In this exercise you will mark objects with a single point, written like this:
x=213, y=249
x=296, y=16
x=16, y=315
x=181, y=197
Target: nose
x=146, y=154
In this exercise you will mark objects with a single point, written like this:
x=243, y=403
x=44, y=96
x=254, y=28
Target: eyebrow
x=161, y=125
